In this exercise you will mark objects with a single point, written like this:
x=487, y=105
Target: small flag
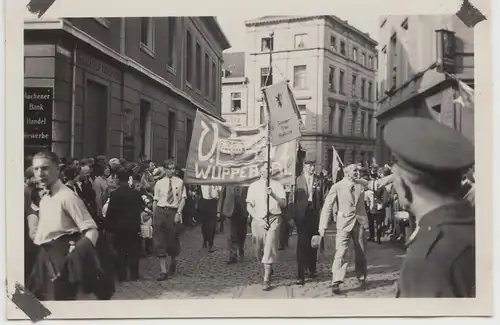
x=465, y=96
x=336, y=165
x=283, y=120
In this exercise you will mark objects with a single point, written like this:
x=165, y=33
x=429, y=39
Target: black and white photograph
x=249, y=158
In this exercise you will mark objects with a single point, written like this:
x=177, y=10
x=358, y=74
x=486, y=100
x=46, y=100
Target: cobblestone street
x=206, y=275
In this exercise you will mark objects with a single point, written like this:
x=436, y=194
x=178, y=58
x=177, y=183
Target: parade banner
x=221, y=154
x=283, y=117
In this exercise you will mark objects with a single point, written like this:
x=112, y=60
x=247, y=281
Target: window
x=303, y=112
x=331, y=79
x=370, y=125
x=171, y=134
x=199, y=69
x=363, y=59
x=363, y=120
x=341, y=154
x=172, y=33
x=354, y=154
x=353, y=88
x=355, y=54
x=342, y=47
x=189, y=57
x=331, y=119
x=207, y=75
x=341, y=121
x=370, y=91
x=362, y=89
x=353, y=121
x=266, y=77
x=370, y=62
x=215, y=82
x=267, y=44
x=147, y=33
x=300, y=41
x=394, y=77
x=189, y=133
x=299, y=76
x=235, y=102
x=341, y=81
x=262, y=117
x=145, y=127
x=333, y=43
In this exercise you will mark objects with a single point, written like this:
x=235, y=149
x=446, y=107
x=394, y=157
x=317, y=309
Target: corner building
x=411, y=84
x=126, y=86
x=331, y=68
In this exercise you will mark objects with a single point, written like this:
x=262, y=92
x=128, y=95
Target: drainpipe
x=73, y=103
x=122, y=51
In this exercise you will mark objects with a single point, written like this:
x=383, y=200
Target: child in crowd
x=147, y=225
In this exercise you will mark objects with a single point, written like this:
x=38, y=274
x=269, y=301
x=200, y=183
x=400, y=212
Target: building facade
x=414, y=53
x=331, y=68
x=126, y=86
x=234, y=100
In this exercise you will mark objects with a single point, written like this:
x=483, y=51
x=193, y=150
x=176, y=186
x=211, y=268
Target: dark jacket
x=440, y=261
x=302, y=196
x=124, y=211
x=84, y=266
x=88, y=196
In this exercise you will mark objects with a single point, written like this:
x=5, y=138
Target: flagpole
x=268, y=181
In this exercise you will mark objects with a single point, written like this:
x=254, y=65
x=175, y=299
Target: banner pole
x=268, y=181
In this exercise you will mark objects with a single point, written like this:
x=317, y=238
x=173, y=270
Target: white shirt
x=161, y=192
x=61, y=213
x=309, y=181
x=209, y=192
x=257, y=197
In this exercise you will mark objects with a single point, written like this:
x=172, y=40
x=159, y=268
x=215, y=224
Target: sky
x=234, y=27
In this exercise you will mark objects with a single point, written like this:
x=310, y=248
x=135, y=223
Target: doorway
x=95, y=125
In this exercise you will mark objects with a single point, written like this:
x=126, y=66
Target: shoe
x=162, y=277
x=300, y=281
x=211, y=249
x=172, y=269
x=266, y=286
x=361, y=282
x=312, y=275
x=241, y=255
x=336, y=288
x=232, y=260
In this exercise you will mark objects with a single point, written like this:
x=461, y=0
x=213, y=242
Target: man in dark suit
x=124, y=221
x=308, y=202
x=232, y=205
x=85, y=191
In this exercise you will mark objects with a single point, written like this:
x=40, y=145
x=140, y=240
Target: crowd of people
x=89, y=221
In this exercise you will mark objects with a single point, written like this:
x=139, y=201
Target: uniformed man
x=430, y=160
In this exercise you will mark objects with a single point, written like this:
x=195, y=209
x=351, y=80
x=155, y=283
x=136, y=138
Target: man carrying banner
x=265, y=227
x=208, y=205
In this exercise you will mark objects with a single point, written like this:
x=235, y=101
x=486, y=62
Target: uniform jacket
x=302, y=195
x=440, y=261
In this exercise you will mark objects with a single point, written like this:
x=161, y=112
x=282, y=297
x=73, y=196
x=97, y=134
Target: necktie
x=170, y=196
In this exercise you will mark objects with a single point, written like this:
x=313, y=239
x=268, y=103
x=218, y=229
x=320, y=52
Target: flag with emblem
x=283, y=119
x=336, y=165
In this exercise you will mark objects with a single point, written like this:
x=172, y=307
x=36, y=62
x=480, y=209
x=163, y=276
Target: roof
x=269, y=20
x=234, y=62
